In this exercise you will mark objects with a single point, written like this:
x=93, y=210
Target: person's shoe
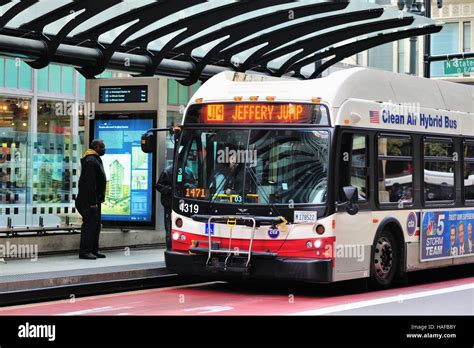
x=88, y=256
x=100, y=256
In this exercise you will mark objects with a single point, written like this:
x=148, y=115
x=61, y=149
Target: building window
x=15, y=74
x=82, y=85
x=172, y=92
x=195, y=87
x=467, y=40
x=360, y=58
x=183, y=94
x=401, y=56
x=67, y=80
x=179, y=94
x=82, y=81
x=467, y=35
x=444, y=42
x=54, y=78
x=395, y=169
x=438, y=170
x=60, y=79
x=43, y=79
x=381, y=57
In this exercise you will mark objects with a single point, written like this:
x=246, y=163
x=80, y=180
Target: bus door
x=353, y=232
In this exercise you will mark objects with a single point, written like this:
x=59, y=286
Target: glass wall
x=52, y=154
x=14, y=159
x=40, y=153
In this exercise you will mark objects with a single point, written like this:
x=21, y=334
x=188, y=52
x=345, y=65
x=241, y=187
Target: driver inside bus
x=227, y=178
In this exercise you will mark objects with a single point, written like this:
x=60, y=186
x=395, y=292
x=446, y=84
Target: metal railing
x=40, y=230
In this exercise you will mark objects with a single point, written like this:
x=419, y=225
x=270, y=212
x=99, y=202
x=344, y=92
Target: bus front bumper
x=281, y=268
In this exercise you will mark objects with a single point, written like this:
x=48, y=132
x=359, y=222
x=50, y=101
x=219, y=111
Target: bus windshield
x=258, y=166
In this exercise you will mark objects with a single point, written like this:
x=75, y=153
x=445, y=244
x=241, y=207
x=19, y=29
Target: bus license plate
x=305, y=216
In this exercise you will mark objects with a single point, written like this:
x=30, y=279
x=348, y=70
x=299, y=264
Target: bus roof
x=335, y=89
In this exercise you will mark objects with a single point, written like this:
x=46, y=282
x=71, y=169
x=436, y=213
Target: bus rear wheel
x=384, y=261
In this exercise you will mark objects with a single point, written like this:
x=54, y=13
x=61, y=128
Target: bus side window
x=439, y=169
x=468, y=171
x=354, y=164
x=395, y=169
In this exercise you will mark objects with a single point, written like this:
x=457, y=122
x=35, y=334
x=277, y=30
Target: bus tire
x=384, y=260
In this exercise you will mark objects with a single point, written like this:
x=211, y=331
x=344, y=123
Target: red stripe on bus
x=288, y=248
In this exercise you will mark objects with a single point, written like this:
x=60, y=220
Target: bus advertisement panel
x=447, y=234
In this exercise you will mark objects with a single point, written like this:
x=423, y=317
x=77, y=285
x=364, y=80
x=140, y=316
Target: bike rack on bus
x=232, y=220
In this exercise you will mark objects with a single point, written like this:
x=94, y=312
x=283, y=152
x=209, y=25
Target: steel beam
x=442, y=57
x=31, y=49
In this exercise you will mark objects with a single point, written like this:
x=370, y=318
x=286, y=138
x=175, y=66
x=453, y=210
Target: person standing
x=165, y=187
x=92, y=185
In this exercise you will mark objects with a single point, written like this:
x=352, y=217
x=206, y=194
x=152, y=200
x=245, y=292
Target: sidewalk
x=49, y=272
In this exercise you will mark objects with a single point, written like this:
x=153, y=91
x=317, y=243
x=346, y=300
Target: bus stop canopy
x=192, y=40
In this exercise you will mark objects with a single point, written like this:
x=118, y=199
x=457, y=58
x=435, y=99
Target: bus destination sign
x=257, y=113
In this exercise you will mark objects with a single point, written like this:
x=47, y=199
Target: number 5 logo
x=440, y=229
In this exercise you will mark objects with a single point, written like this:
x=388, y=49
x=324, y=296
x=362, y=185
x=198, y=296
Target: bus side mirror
x=148, y=142
x=351, y=194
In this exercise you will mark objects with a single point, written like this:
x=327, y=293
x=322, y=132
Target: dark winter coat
x=92, y=182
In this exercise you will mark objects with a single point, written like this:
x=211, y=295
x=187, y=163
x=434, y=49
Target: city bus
x=360, y=174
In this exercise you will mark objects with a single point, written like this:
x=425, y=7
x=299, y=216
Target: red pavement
x=211, y=299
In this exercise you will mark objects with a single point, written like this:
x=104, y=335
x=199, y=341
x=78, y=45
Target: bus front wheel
x=384, y=260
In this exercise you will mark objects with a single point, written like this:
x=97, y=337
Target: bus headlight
x=317, y=244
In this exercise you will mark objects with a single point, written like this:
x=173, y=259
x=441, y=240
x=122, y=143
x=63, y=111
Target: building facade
x=457, y=36
x=42, y=140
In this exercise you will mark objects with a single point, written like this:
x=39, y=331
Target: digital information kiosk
x=124, y=110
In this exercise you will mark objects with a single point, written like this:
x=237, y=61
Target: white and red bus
x=361, y=174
